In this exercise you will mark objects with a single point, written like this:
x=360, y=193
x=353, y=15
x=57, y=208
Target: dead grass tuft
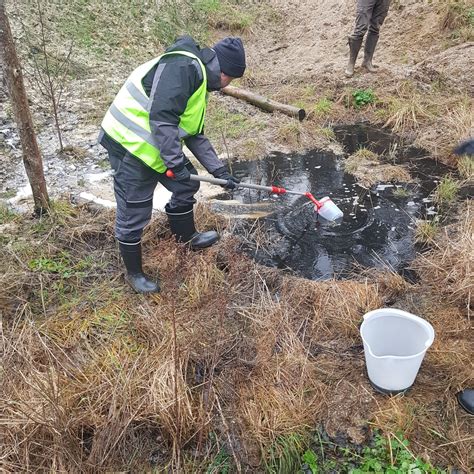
x=448, y=267
x=365, y=165
x=406, y=110
x=450, y=126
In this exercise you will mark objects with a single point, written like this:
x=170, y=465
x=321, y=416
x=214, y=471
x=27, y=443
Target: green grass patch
x=127, y=28
x=8, y=194
x=401, y=192
x=426, y=231
x=290, y=133
x=389, y=454
x=323, y=107
x=221, y=463
x=6, y=214
x=232, y=16
x=222, y=123
x=327, y=133
x=284, y=455
x=365, y=154
x=446, y=191
x=59, y=213
x=465, y=167
x=62, y=264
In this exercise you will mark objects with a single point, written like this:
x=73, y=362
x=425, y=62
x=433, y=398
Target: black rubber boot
x=354, y=48
x=183, y=228
x=466, y=400
x=132, y=258
x=369, y=50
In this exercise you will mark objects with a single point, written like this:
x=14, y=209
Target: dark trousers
x=370, y=16
x=134, y=184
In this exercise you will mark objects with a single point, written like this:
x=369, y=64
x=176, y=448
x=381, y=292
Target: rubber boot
x=183, y=228
x=466, y=400
x=354, y=48
x=132, y=258
x=369, y=50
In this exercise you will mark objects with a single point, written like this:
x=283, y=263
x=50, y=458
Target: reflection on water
x=378, y=225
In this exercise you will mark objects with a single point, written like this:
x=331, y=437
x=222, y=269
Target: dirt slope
x=314, y=35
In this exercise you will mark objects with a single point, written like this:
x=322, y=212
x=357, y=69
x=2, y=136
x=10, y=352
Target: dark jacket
x=170, y=89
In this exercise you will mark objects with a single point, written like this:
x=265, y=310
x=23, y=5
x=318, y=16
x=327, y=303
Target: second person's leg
x=376, y=21
x=363, y=16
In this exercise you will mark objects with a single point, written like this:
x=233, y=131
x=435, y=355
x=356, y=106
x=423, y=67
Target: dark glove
x=181, y=173
x=223, y=173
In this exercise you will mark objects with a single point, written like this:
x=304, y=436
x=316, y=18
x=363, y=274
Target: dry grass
x=453, y=123
x=407, y=109
x=457, y=17
x=426, y=231
x=465, y=167
x=290, y=133
x=405, y=114
x=448, y=267
x=368, y=169
x=98, y=378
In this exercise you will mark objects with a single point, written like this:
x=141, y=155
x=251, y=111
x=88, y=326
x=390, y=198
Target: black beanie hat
x=231, y=56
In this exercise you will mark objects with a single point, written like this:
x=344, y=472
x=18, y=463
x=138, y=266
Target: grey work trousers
x=134, y=184
x=370, y=16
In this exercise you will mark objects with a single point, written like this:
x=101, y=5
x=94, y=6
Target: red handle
x=313, y=200
x=169, y=174
x=277, y=190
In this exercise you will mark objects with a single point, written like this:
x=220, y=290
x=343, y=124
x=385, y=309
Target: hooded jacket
x=180, y=77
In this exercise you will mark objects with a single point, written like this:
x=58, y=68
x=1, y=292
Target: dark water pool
x=378, y=225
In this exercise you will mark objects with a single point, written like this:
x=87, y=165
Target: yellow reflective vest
x=127, y=120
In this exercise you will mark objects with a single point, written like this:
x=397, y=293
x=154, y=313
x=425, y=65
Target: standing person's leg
x=134, y=184
x=363, y=16
x=378, y=17
x=180, y=212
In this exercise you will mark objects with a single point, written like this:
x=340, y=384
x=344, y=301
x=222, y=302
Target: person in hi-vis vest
x=161, y=106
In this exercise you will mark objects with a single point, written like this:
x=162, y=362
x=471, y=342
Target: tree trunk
x=16, y=89
x=264, y=103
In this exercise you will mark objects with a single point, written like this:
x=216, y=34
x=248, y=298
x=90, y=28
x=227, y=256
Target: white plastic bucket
x=329, y=210
x=395, y=343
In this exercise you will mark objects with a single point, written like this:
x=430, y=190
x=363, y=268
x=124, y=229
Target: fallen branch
x=264, y=103
x=277, y=48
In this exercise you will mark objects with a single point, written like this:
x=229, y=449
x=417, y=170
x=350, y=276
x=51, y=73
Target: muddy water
x=378, y=225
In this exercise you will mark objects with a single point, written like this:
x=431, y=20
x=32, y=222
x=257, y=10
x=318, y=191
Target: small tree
x=16, y=89
x=49, y=66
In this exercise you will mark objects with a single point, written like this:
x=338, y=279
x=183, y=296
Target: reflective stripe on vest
x=128, y=119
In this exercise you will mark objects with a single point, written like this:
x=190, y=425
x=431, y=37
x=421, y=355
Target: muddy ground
x=233, y=359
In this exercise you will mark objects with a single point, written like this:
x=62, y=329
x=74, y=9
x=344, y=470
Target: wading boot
x=354, y=48
x=369, y=50
x=182, y=226
x=132, y=258
x=466, y=400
